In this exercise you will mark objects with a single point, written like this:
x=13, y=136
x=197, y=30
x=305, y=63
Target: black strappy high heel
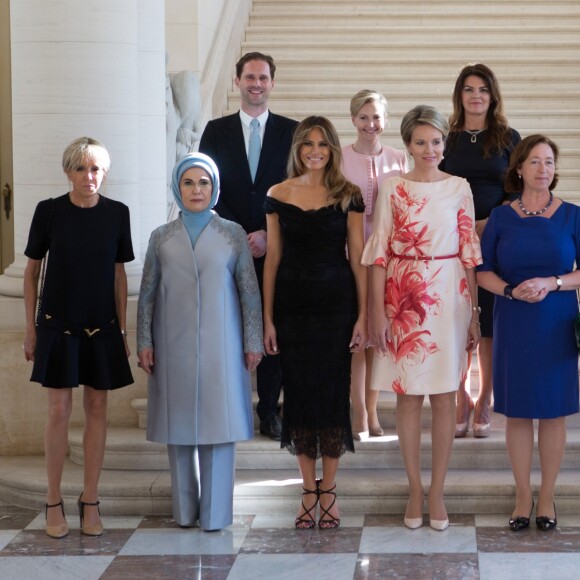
x=307, y=521
x=328, y=523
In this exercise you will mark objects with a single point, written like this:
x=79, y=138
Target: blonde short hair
x=423, y=115
x=366, y=96
x=85, y=148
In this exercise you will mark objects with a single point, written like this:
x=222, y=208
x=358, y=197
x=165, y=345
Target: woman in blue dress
x=529, y=249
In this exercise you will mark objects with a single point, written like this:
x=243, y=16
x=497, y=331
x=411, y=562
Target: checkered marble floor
x=268, y=547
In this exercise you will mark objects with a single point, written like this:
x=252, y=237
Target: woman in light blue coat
x=199, y=335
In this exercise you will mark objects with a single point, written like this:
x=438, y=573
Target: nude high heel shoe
x=59, y=531
x=462, y=428
x=439, y=525
x=481, y=430
x=360, y=435
x=412, y=523
x=95, y=530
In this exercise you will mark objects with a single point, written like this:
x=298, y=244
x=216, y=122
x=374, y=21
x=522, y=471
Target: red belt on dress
x=425, y=258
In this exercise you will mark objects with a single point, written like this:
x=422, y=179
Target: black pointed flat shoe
x=521, y=522
x=544, y=523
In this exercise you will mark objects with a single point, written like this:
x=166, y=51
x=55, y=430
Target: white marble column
x=80, y=68
x=152, y=131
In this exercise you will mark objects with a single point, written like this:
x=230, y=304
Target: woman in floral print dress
x=424, y=313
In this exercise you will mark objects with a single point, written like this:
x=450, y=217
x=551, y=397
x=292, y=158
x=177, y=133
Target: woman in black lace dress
x=315, y=308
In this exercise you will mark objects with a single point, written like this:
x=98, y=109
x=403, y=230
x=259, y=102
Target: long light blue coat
x=200, y=309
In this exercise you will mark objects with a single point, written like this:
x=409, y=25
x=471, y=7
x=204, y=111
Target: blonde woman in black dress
x=79, y=337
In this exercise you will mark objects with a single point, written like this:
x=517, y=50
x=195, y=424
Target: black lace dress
x=315, y=309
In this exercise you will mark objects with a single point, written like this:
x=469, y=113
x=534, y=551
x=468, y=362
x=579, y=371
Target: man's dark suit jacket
x=241, y=200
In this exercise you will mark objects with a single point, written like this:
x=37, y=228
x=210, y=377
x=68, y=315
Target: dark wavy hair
x=513, y=183
x=341, y=192
x=498, y=134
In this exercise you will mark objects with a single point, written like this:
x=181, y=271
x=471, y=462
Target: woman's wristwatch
x=508, y=292
x=558, y=283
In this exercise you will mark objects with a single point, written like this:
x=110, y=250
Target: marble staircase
x=135, y=479
x=411, y=51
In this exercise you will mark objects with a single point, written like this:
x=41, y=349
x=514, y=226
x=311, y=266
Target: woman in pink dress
x=367, y=163
x=423, y=251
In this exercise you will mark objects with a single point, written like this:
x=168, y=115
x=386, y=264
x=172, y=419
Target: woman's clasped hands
x=534, y=289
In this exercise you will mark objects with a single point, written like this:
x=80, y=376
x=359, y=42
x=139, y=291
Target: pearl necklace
x=474, y=134
x=540, y=211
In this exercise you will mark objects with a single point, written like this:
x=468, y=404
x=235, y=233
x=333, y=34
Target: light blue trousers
x=202, y=484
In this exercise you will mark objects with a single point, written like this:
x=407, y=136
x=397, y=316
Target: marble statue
x=183, y=112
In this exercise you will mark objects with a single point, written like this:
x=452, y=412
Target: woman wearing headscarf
x=199, y=335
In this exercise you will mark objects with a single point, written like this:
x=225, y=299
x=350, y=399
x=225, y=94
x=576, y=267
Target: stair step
x=392, y=62
x=474, y=50
x=392, y=20
x=383, y=8
x=128, y=450
x=334, y=103
x=23, y=483
x=386, y=491
x=121, y=492
x=389, y=35
x=384, y=453
x=290, y=82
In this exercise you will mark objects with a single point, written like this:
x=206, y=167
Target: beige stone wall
x=23, y=404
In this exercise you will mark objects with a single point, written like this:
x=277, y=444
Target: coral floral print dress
x=427, y=302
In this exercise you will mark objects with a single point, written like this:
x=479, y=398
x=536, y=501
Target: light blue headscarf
x=195, y=221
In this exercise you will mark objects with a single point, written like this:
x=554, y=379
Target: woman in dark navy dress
x=79, y=336
x=478, y=148
x=529, y=249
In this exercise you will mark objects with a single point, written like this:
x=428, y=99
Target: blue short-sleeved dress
x=535, y=360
